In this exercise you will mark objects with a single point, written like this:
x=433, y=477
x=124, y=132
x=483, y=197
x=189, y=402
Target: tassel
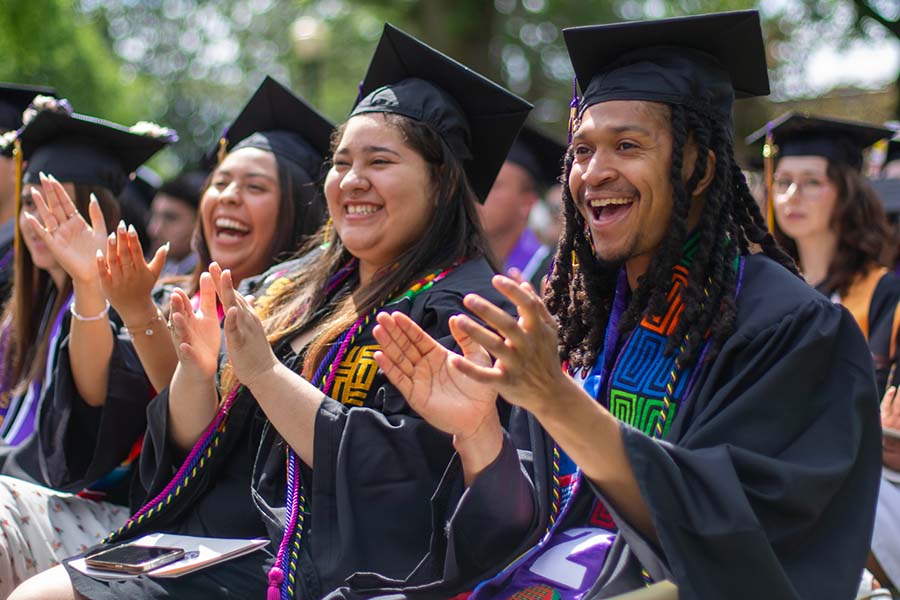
x=573, y=106
x=276, y=577
x=17, y=158
x=223, y=149
x=769, y=151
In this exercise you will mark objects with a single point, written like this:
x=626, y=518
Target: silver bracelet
x=102, y=314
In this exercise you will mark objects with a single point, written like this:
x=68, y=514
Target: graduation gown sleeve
x=766, y=485
x=80, y=444
x=377, y=465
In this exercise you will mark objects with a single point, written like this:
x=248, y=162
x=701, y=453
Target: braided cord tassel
x=193, y=464
x=282, y=576
x=664, y=414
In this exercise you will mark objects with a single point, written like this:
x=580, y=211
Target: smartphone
x=132, y=558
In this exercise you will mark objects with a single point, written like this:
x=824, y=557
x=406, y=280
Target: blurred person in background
x=534, y=163
x=52, y=298
x=831, y=221
x=173, y=216
x=14, y=99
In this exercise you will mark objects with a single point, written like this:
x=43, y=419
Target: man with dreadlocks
x=721, y=413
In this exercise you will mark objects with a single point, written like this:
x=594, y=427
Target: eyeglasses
x=807, y=188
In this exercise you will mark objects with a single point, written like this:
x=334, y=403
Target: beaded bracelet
x=102, y=314
x=148, y=328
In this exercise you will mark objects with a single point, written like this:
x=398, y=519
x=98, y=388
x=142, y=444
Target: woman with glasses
x=831, y=221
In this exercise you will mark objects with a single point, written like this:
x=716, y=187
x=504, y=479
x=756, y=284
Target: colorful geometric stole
x=645, y=389
x=643, y=377
x=282, y=576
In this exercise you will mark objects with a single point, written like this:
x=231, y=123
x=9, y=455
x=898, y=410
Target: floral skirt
x=39, y=527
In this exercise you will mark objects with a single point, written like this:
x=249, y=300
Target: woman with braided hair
x=298, y=436
x=715, y=422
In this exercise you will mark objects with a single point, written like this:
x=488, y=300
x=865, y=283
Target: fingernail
x=122, y=224
x=166, y=246
x=42, y=175
x=112, y=237
x=131, y=230
x=94, y=198
x=99, y=254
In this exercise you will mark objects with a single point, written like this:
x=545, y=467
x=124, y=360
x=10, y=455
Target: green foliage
x=48, y=42
x=191, y=64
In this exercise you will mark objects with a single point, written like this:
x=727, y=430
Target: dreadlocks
x=581, y=287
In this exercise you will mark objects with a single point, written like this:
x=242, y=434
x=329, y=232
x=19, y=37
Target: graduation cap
x=702, y=62
x=187, y=187
x=277, y=121
x=81, y=149
x=838, y=140
x=539, y=154
x=15, y=98
x=477, y=118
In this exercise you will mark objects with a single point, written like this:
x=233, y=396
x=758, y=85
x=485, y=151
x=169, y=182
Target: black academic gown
x=79, y=444
x=765, y=485
x=882, y=308
x=75, y=445
x=377, y=465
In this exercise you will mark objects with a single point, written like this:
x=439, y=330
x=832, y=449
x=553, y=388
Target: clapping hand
x=424, y=372
x=890, y=420
x=248, y=348
x=196, y=335
x=73, y=243
x=526, y=371
x=126, y=278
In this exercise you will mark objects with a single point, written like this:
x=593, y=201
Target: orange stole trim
x=665, y=325
x=859, y=297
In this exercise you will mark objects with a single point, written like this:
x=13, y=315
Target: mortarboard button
x=477, y=118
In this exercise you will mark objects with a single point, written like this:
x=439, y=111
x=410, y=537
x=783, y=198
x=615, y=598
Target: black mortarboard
x=477, y=118
x=703, y=62
x=15, y=98
x=539, y=154
x=82, y=149
x=187, y=187
x=277, y=121
x=838, y=140
x=888, y=191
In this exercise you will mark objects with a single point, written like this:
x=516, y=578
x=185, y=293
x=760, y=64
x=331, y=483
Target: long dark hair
x=864, y=236
x=300, y=214
x=581, y=297
x=25, y=354
x=453, y=232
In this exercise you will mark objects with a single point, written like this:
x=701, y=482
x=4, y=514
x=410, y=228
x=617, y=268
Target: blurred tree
x=49, y=42
x=854, y=20
x=207, y=57
x=191, y=64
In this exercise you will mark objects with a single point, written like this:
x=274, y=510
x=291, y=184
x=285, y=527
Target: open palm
x=197, y=336
x=68, y=236
x=423, y=371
